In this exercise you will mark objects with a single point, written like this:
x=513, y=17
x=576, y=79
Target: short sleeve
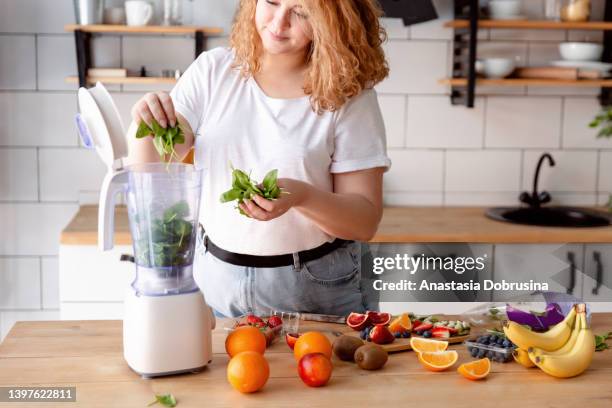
x=359, y=139
x=190, y=95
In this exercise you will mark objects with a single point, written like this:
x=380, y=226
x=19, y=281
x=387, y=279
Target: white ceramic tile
x=18, y=174
x=17, y=62
x=605, y=173
x=36, y=16
x=414, y=171
x=433, y=122
x=541, y=54
x=503, y=49
x=50, y=283
x=483, y=199
x=434, y=29
x=523, y=122
x=125, y=101
x=527, y=35
x=8, y=319
x=563, y=91
x=604, y=199
x=214, y=13
x=33, y=229
x=178, y=53
x=585, y=35
x=91, y=311
x=396, y=30
x=575, y=171
x=573, y=199
x=66, y=171
x=394, y=114
x=19, y=283
x=482, y=171
x=405, y=199
x=577, y=114
x=57, y=59
x=416, y=67
x=37, y=119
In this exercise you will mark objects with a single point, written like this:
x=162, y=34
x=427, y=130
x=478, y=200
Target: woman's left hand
x=294, y=193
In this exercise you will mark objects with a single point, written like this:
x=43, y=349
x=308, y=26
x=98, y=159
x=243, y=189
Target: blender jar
x=163, y=205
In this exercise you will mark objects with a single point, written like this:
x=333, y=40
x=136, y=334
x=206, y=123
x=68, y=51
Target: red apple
x=315, y=369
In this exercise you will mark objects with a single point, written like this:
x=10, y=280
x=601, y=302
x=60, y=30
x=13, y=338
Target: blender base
x=166, y=335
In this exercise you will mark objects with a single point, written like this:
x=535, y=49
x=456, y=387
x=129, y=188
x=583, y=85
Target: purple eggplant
x=537, y=321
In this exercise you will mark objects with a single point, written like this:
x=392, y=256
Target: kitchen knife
x=315, y=317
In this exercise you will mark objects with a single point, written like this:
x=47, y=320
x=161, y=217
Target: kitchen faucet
x=535, y=199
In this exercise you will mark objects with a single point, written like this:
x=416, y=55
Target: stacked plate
x=582, y=55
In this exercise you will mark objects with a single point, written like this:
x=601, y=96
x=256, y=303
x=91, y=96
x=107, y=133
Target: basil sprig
x=170, y=240
x=167, y=400
x=164, y=140
x=244, y=188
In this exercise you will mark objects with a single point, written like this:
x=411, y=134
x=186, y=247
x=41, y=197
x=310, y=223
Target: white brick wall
x=443, y=154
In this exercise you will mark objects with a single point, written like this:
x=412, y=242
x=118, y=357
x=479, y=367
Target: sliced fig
x=357, y=321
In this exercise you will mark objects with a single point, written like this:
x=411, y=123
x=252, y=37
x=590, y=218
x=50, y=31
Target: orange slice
x=420, y=344
x=401, y=324
x=438, y=360
x=476, y=370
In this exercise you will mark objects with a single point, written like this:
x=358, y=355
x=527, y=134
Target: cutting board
x=404, y=344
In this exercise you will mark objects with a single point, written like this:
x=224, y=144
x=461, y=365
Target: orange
x=401, y=324
x=421, y=345
x=438, y=360
x=245, y=338
x=248, y=371
x=312, y=342
x=476, y=370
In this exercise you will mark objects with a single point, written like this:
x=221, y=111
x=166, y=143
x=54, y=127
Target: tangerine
x=248, y=371
x=312, y=342
x=245, y=338
x=475, y=370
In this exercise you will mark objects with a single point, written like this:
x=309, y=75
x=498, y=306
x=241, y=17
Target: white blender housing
x=167, y=326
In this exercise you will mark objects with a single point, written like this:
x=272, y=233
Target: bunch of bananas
x=566, y=350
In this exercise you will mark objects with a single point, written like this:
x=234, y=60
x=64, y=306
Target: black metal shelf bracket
x=465, y=42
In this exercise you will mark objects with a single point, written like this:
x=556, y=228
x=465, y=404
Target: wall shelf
x=83, y=33
x=533, y=25
x=465, y=26
x=586, y=83
x=123, y=80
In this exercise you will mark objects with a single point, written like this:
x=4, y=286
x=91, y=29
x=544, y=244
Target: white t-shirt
x=235, y=122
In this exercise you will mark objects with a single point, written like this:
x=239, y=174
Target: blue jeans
x=332, y=284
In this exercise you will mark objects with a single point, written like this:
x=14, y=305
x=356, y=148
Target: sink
x=553, y=216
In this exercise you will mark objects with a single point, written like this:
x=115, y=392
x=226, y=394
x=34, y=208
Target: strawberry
x=451, y=330
x=423, y=327
x=440, y=333
x=274, y=321
x=415, y=323
x=254, y=320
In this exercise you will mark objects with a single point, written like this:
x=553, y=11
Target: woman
x=293, y=93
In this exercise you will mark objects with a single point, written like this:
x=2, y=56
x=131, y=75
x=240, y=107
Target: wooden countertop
x=88, y=355
x=399, y=224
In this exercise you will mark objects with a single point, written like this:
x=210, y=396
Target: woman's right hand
x=155, y=105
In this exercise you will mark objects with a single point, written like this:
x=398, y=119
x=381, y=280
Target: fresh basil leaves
x=167, y=400
x=244, y=188
x=164, y=140
x=170, y=240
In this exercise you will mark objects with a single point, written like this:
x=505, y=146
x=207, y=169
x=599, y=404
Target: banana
x=522, y=357
x=574, y=362
x=551, y=340
x=566, y=348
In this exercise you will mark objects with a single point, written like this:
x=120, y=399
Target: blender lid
x=100, y=125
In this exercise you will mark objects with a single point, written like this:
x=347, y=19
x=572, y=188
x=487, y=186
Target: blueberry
x=492, y=338
x=490, y=354
x=474, y=352
x=482, y=353
x=397, y=335
x=506, y=344
x=500, y=341
x=406, y=335
x=419, y=332
x=427, y=334
x=483, y=340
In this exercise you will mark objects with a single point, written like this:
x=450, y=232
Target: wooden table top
x=88, y=355
x=399, y=224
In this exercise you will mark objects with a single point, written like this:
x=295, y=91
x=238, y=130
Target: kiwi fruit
x=345, y=346
x=371, y=357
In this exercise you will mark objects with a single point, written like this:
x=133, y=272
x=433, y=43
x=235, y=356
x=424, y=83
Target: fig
x=371, y=357
x=345, y=346
x=381, y=335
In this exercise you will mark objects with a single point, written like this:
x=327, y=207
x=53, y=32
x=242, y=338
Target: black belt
x=272, y=261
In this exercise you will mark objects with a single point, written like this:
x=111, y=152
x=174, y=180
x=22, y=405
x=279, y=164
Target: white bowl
x=580, y=51
x=504, y=8
x=496, y=67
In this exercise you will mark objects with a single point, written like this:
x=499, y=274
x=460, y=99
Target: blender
x=167, y=325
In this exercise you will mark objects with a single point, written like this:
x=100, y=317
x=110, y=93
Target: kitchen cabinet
x=557, y=264
x=597, y=288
